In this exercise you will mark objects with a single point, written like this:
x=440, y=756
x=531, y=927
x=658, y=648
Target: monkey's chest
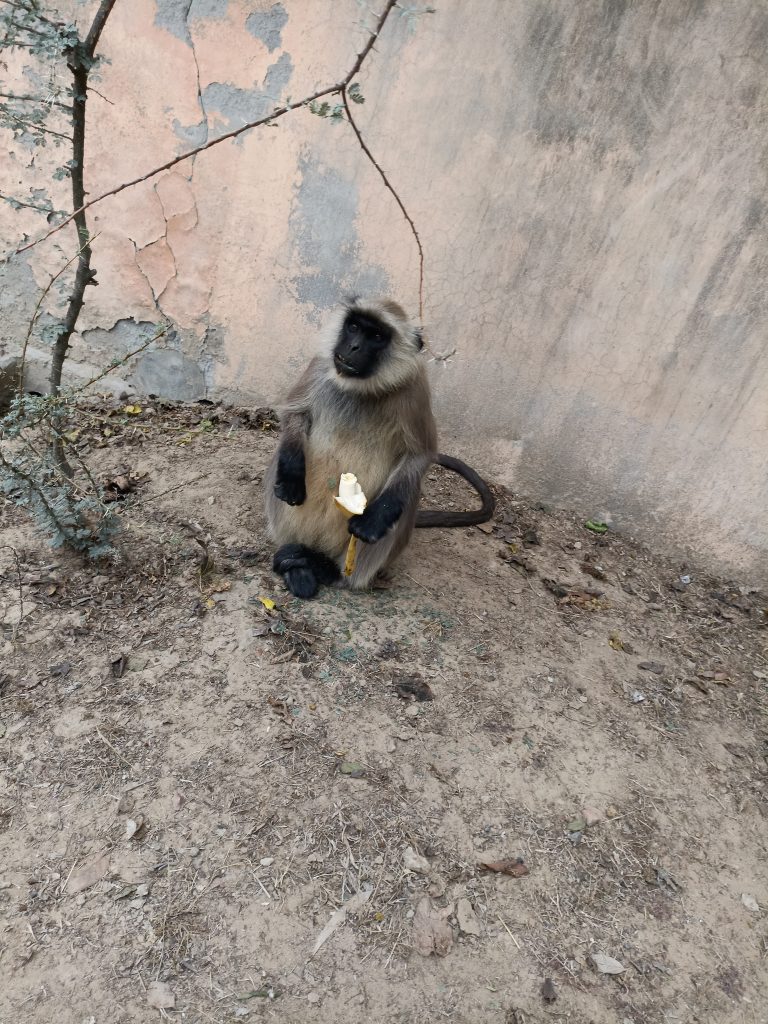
x=330, y=456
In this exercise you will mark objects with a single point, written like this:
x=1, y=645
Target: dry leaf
x=338, y=917
x=160, y=996
x=135, y=827
x=412, y=686
x=268, y=603
x=431, y=931
x=89, y=872
x=132, y=410
x=514, y=868
x=607, y=964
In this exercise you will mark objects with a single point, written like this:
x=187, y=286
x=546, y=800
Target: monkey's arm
x=295, y=423
x=401, y=491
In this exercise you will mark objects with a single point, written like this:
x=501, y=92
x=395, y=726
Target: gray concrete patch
x=172, y=16
x=239, y=106
x=323, y=231
x=170, y=374
x=268, y=25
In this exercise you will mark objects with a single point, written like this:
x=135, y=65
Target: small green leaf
x=352, y=769
x=596, y=526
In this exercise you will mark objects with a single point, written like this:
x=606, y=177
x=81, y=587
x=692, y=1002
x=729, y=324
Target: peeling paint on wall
x=268, y=25
x=18, y=295
x=322, y=227
x=172, y=16
x=209, y=10
x=170, y=374
x=239, y=106
x=124, y=337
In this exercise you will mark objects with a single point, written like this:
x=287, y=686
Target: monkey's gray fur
x=379, y=427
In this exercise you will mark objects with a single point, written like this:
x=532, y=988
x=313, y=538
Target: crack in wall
x=200, y=100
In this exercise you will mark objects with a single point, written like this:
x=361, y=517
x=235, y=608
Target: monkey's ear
x=419, y=338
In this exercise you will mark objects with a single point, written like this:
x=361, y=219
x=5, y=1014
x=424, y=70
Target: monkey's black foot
x=301, y=582
x=303, y=569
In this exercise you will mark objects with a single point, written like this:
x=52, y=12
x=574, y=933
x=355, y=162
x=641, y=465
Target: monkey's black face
x=363, y=341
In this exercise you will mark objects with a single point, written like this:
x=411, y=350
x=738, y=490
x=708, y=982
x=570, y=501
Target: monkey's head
x=374, y=346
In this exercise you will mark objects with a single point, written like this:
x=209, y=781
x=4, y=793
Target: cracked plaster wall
x=588, y=187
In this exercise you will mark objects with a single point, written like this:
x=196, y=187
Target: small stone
x=591, y=815
x=412, y=711
x=413, y=861
x=160, y=996
x=611, y=812
x=313, y=997
x=211, y=500
x=467, y=918
x=266, y=861
x=437, y=886
x=750, y=903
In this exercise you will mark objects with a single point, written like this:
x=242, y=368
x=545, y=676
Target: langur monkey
x=361, y=406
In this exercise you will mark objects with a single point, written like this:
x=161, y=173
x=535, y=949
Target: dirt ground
x=215, y=809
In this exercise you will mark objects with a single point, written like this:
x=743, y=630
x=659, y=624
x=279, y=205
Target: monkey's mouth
x=345, y=368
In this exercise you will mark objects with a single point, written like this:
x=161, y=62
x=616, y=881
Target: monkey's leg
x=387, y=523
x=304, y=570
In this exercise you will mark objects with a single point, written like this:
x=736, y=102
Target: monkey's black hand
x=376, y=520
x=290, y=485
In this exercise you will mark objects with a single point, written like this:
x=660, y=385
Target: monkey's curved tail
x=481, y=515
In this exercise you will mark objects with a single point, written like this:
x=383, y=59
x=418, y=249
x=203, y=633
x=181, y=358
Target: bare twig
x=121, y=361
x=398, y=200
x=154, y=497
x=114, y=749
x=101, y=95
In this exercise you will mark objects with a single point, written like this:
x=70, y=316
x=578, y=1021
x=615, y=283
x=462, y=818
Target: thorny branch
x=80, y=59
x=338, y=89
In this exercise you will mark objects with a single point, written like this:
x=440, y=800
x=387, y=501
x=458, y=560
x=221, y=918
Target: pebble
x=415, y=862
x=591, y=815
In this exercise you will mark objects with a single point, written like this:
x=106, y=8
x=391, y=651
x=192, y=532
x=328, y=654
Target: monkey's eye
x=352, y=328
x=377, y=336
